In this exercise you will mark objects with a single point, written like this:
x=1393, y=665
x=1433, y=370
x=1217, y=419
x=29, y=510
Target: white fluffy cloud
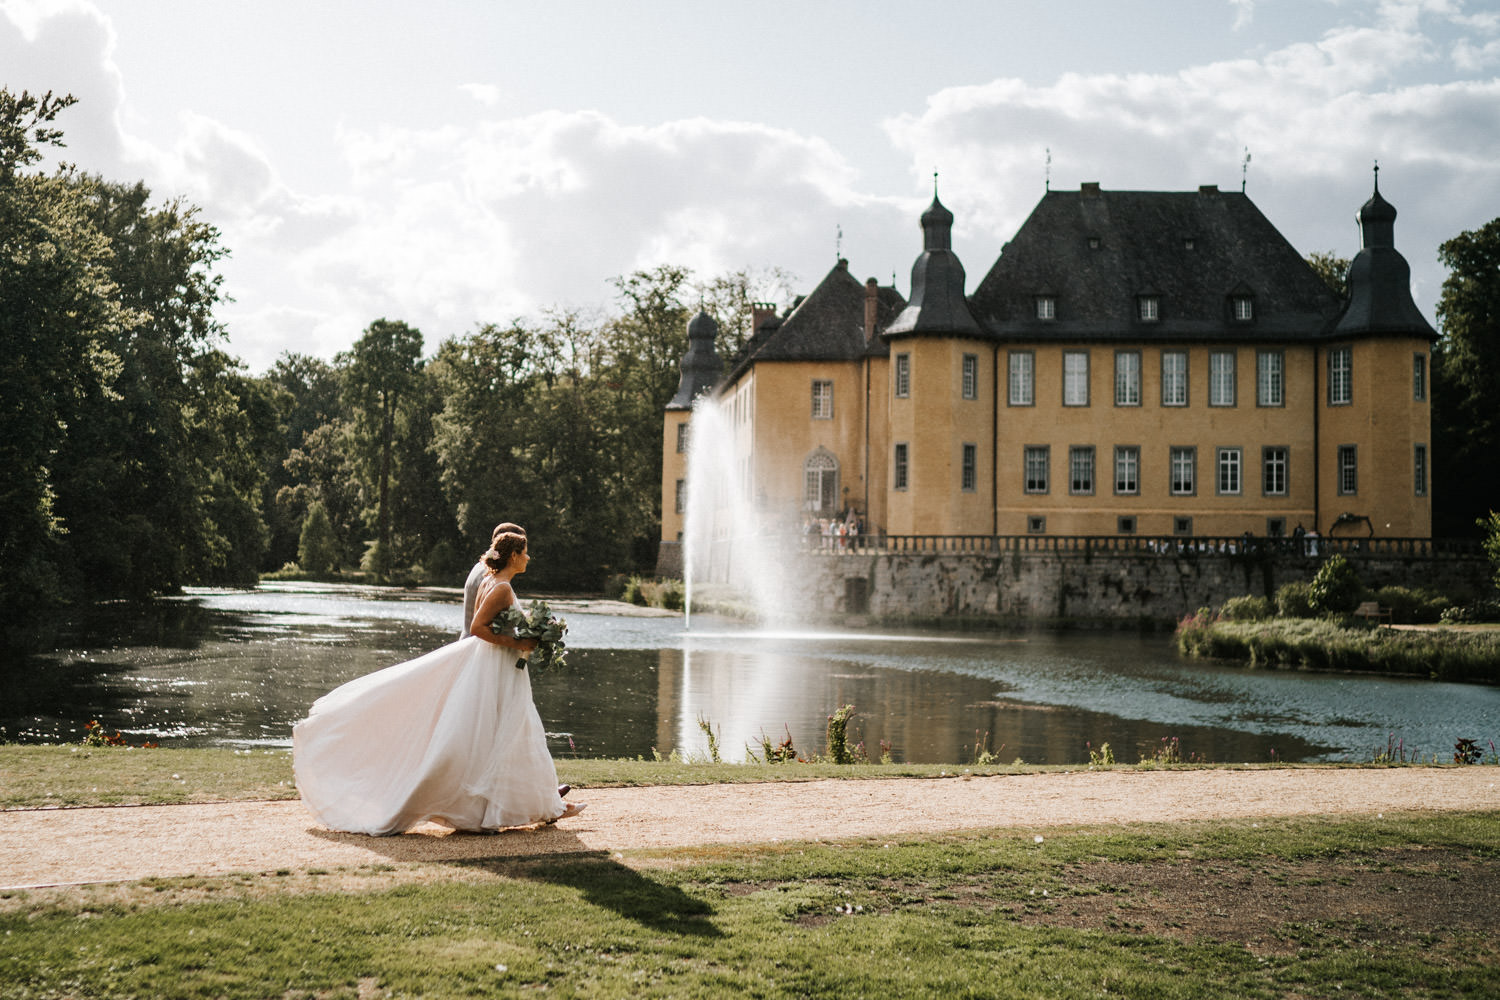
x=1314, y=116
x=487, y=215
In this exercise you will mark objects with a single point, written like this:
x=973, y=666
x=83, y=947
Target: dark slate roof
x=1380, y=302
x=937, y=305
x=700, y=365
x=827, y=325
x=1195, y=250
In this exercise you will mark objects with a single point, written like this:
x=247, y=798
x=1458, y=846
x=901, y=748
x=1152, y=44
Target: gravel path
x=70, y=846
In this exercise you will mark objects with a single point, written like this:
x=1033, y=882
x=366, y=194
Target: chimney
x=1208, y=189
x=1090, y=189
x=872, y=307
x=759, y=313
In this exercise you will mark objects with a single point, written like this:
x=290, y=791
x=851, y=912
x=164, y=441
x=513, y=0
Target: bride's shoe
x=573, y=809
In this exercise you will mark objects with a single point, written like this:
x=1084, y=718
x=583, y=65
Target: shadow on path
x=553, y=856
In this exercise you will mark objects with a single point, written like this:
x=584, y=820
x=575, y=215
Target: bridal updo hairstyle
x=505, y=545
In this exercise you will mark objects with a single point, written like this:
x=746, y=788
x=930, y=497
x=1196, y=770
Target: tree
x=1466, y=382
x=1333, y=269
x=60, y=316
x=382, y=373
x=731, y=298
x=317, y=550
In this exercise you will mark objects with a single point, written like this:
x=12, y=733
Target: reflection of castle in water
x=749, y=691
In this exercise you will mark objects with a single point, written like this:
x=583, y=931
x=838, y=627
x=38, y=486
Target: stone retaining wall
x=1084, y=587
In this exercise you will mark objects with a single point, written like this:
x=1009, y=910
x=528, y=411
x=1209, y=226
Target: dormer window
x=1148, y=308
x=1243, y=308
x=1095, y=243
x=1188, y=243
x=1046, y=307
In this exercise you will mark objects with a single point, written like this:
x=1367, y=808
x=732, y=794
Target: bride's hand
x=524, y=646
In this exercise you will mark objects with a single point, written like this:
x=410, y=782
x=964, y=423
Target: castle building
x=1135, y=363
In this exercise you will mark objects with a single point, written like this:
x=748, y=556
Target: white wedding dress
x=452, y=737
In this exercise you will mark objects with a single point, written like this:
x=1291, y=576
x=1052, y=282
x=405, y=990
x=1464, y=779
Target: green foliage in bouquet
x=547, y=629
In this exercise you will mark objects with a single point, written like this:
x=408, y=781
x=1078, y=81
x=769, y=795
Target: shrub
x=317, y=549
x=1336, y=588
x=1245, y=609
x=614, y=586
x=1292, y=602
x=1412, y=606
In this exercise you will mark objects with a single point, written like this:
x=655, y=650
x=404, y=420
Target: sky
x=457, y=163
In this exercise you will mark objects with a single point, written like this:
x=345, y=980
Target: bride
x=452, y=737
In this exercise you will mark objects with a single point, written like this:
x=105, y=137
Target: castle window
x=1127, y=378
x=971, y=376
x=903, y=376
x=1340, y=376
x=970, y=467
x=1148, y=308
x=1036, y=468
x=820, y=478
x=1036, y=525
x=1275, y=527
x=1244, y=308
x=1075, y=378
x=1174, y=378
x=1419, y=377
x=1230, y=464
x=1095, y=243
x=1419, y=469
x=1127, y=469
x=1184, y=462
x=1273, y=470
x=1182, y=526
x=1022, y=378
x=822, y=399
x=1269, y=378
x=1125, y=525
x=1348, y=470
x=1081, y=470
x=1046, y=307
x=682, y=438
x=899, y=464
x=681, y=496
x=1221, y=378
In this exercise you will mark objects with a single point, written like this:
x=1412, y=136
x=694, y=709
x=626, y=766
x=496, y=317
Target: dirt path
x=69, y=846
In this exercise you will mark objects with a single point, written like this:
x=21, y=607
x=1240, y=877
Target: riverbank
x=1451, y=653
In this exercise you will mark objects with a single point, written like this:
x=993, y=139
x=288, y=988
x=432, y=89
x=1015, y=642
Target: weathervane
x=1377, y=176
x=838, y=242
x=1245, y=170
x=1047, y=185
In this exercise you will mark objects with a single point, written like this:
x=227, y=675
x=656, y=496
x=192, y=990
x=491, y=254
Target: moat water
x=238, y=668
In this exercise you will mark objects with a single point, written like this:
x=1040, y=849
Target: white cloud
x=1315, y=116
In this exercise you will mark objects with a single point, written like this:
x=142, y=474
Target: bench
x=1372, y=610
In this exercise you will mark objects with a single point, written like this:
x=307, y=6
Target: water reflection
x=222, y=667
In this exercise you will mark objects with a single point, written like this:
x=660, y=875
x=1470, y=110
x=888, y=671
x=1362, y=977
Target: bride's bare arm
x=495, y=600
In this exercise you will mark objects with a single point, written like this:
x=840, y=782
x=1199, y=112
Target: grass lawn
x=1388, y=908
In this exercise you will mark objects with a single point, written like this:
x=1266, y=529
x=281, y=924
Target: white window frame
x=969, y=466
x=1081, y=472
x=1183, y=470
x=1275, y=467
x=1046, y=307
x=1035, y=468
x=1021, y=378
x=1348, y=470
x=1148, y=308
x=1419, y=377
x=1127, y=378
x=1171, y=379
x=900, y=466
x=1127, y=470
x=969, y=376
x=1231, y=469
x=1244, y=308
x=1419, y=469
x=681, y=504
x=1270, y=378
x=1341, y=376
x=902, y=376
x=1075, y=378
x=820, y=482
x=822, y=399
x=1221, y=378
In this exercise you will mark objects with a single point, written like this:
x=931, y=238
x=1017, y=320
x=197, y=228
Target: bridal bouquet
x=543, y=626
